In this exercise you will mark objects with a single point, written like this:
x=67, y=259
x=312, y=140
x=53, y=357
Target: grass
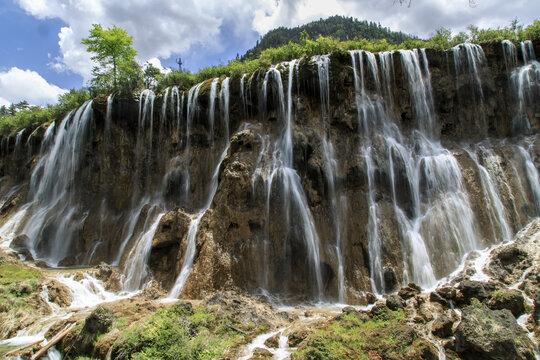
x=351, y=337
x=179, y=332
x=17, y=285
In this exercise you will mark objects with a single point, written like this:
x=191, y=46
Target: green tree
x=112, y=48
x=151, y=74
x=3, y=110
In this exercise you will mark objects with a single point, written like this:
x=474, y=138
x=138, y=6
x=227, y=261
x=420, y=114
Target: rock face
x=323, y=178
x=491, y=334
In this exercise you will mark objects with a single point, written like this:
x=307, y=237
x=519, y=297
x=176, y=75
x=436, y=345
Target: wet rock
x=475, y=290
x=491, y=334
x=370, y=298
x=272, y=342
x=348, y=310
x=436, y=297
x=404, y=334
x=58, y=293
x=390, y=279
x=509, y=299
x=97, y=323
x=536, y=312
x=394, y=302
x=409, y=291
x=442, y=326
x=104, y=271
x=261, y=353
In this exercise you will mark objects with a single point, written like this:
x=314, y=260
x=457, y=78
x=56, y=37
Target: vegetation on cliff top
x=131, y=77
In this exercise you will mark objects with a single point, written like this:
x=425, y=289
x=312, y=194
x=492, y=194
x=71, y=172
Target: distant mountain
x=339, y=27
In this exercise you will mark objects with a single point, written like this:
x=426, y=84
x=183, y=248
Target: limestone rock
x=395, y=302
x=409, y=291
x=442, y=327
x=491, y=335
x=508, y=299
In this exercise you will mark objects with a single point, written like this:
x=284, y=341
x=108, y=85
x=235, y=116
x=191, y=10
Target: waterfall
x=510, y=55
x=224, y=100
x=136, y=270
x=108, y=119
x=192, y=111
x=55, y=217
x=527, y=51
x=525, y=81
x=211, y=108
x=191, y=238
x=336, y=205
x=420, y=90
x=500, y=228
x=280, y=171
x=419, y=168
x=469, y=61
x=243, y=95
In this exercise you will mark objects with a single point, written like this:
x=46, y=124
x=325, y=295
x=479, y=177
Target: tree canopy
x=114, y=55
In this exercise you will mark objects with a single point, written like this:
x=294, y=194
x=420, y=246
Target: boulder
x=509, y=299
x=442, y=326
x=475, y=290
x=394, y=302
x=486, y=334
x=409, y=291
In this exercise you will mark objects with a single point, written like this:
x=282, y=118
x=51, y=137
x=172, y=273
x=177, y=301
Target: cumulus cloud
x=17, y=85
x=161, y=28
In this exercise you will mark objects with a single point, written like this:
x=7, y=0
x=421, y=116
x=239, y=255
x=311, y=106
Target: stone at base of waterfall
x=508, y=299
x=272, y=342
x=394, y=302
x=409, y=291
x=536, y=312
x=470, y=289
x=442, y=327
x=261, y=354
x=58, y=293
x=491, y=334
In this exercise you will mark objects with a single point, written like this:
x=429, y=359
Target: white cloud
x=161, y=28
x=17, y=85
x=157, y=63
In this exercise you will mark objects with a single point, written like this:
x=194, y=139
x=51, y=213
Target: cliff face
x=322, y=178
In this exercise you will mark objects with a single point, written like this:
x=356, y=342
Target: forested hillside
x=339, y=27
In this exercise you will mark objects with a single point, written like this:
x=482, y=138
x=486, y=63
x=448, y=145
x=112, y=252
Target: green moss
x=348, y=337
x=179, y=332
x=13, y=274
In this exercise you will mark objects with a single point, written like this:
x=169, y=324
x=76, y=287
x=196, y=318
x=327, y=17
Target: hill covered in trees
x=338, y=27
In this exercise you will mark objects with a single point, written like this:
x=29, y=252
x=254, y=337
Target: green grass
x=179, y=332
x=349, y=337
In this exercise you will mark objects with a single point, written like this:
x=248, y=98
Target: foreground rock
x=491, y=334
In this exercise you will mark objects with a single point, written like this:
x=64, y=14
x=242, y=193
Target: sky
x=41, y=55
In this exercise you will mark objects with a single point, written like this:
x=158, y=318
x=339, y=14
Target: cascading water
x=525, y=81
x=281, y=180
x=54, y=210
x=469, y=62
x=195, y=220
x=436, y=195
x=212, y=108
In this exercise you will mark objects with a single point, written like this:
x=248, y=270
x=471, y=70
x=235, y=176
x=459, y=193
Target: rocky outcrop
x=491, y=334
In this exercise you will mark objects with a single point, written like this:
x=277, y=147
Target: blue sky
x=41, y=55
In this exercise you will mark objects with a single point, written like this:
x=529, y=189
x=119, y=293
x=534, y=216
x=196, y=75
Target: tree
x=3, y=110
x=112, y=48
x=151, y=74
